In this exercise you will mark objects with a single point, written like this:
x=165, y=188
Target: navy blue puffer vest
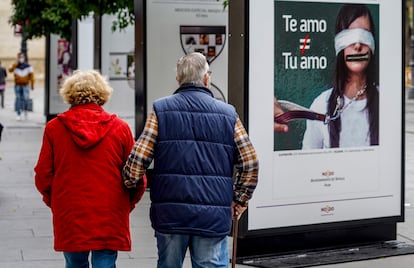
x=192, y=186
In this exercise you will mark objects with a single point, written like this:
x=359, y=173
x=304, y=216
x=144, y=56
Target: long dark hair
x=347, y=14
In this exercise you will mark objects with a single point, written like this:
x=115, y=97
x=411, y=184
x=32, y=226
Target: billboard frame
x=311, y=236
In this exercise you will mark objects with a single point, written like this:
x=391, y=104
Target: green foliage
x=43, y=17
x=124, y=18
x=225, y=3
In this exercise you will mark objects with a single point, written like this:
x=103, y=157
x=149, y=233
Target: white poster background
x=86, y=42
x=164, y=18
x=331, y=185
x=119, y=45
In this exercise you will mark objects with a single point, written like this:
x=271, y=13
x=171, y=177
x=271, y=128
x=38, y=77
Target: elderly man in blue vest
x=195, y=142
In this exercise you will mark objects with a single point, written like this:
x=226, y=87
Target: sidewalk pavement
x=26, y=238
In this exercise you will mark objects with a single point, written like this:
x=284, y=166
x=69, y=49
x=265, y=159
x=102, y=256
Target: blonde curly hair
x=84, y=87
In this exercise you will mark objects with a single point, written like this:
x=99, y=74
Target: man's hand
x=237, y=210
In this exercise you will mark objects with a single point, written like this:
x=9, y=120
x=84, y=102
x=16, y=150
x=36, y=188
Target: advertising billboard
x=60, y=67
x=175, y=28
x=118, y=65
x=63, y=57
x=325, y=111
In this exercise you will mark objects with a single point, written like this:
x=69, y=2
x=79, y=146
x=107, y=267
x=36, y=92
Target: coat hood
x=87, y=124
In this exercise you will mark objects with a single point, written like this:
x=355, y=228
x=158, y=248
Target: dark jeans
x=22, y=97
x=99, y=259
x=205, y=252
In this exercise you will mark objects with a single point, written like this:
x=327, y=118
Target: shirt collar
x=193, y=86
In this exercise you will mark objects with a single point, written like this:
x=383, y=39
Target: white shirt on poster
x=354, y=121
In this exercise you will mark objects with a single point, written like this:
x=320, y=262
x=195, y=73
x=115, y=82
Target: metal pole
x=411, y=89
x=23, y=47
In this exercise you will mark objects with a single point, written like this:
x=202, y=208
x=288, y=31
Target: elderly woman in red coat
x=78, y=173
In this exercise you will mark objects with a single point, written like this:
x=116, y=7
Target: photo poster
x=311, y=186
x=176, y=28
x=118, y=65
x=60, y=68
x=305, y=58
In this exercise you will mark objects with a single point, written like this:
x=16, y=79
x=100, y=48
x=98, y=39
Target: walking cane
x=235, y=231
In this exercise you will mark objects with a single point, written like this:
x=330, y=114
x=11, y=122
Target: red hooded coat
x=79, y=175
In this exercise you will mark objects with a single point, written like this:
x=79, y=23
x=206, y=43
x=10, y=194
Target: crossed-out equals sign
x=304, y=44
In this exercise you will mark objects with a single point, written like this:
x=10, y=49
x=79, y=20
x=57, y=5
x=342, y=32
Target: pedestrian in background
x=195, y=142
x=78, y=173
x=3, y=75
x=23, y=82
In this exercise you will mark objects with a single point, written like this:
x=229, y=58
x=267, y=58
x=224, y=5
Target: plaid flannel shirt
x=247, y=165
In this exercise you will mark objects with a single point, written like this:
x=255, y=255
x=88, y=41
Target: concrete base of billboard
x=290, y=242
x=332, y=256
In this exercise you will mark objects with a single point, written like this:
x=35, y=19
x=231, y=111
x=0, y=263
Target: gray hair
x=191, y=68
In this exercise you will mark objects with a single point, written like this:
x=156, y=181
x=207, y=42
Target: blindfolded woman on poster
x=352, y=104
